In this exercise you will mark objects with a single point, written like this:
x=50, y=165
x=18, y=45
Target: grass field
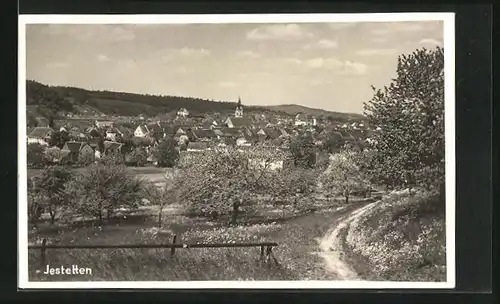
x=151, y=174
x=296, y=252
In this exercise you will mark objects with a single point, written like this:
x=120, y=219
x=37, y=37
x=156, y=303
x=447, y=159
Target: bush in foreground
x=400, y=240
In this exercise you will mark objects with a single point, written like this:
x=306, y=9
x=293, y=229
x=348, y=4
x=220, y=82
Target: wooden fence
x=266, y=248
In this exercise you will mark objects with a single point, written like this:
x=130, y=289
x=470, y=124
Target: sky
x=330, y=66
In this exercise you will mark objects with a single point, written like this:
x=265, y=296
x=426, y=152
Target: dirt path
x=331, y=249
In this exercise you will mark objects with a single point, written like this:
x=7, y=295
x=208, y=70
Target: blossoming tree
x=409, y=113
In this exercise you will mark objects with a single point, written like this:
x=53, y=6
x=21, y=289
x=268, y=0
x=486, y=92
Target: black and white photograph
x=237, y=151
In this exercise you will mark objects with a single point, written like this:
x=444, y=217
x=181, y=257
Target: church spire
x=239, y=109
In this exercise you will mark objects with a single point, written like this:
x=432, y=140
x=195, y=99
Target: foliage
x=410, y=112
x=51, y=183
x=343, y=176
x=58, y=139
x=166, y=153
x=402, y=238
x=36, y=202
x=35, y=154
x=291, y=184
x=104, y=187
x=52, y=155
x=31, y=121
x=334, y=142
x=303, y=151
x=138, y=157
x=221, y=181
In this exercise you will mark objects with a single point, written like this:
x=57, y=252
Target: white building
x=182, y=113
x=141, y=131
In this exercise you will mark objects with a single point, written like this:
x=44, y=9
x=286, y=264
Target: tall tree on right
x=409, y=112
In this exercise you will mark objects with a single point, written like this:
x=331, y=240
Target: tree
x=303, y=151
x=291, y=184
x=51, y=183
x=343, y=176
x=52, y=155
x=166, y=153
x=31, y=121
x=334, y=142
x=160, y=197
x=410, y=114
x=223, y=181
x=34, y=155
x=103, y=188
x=36, y=201
x=58, y=139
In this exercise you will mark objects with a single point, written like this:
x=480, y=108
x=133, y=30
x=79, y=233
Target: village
x=69, y=143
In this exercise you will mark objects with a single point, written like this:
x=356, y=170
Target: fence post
x=261, y=253
x=172, y=250
x=42, y=251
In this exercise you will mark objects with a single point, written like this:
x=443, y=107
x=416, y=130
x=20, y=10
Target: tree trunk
x=160, y=217
x=52, y=214
x=108, y=213
x=234, y=214
x=346, y=198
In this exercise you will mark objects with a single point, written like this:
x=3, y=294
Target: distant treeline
x=71, y=99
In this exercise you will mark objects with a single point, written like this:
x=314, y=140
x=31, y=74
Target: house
x=74, y=151
x=236, y=122
x=182, y=113
x=40, y=135
x=112, y=147
x=204, y=135
x=112, y=133
x=242, y=141
x=301, y=119
x=197, y=146
x=103, y=124
x=231, y=132
x=141, y=131
x=272, y=133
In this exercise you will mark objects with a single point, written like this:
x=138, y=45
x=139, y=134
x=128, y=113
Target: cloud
x=430, y=41
x=291, y=60
x=403, y=27
x=322, y=44
x=354, y=68
x=102, y=58
x=227, y=84
x=90, y=32
x=341, y=26
x=56, y=65
x=248, y=54
x=191, y=53
x=341, y=67
x=279, y=32
x=374, y=52
x=326, y=63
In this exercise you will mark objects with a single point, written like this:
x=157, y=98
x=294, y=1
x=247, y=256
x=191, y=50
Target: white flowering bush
x=401, y=238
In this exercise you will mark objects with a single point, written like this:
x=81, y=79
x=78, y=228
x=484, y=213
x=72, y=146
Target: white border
x=449, y=49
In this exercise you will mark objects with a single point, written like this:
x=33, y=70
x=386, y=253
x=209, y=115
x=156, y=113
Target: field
x=297, y=252
x=151, y=174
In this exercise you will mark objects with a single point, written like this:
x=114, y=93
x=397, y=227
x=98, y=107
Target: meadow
x=295, y=233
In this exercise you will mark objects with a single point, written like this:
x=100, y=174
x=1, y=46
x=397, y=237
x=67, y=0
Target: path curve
x=331, y=247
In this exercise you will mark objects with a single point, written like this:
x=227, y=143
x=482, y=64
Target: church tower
x=239, y=109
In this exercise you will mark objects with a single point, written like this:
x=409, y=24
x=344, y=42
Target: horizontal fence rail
x=265, y=247
x=139, y=246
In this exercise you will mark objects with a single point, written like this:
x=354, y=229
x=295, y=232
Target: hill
x=54, y=99
x=293, y=109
